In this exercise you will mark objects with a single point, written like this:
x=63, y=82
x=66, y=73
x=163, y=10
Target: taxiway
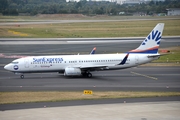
x=142, y=78
x=134, y=79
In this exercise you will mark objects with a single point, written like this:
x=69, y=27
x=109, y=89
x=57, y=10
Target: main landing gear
x=87, y=74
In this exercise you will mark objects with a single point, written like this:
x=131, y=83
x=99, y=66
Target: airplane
x=83, y=65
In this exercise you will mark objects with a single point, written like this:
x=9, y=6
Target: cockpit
x=12, y=66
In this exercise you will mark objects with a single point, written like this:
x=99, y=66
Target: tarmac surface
x=27, y=22
x=133, y=79
x=117, y=111
x=141, y=78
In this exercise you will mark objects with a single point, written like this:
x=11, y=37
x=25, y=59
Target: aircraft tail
x=152, y=41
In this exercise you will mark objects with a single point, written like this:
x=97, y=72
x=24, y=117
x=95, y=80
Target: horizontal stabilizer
x=157, y=55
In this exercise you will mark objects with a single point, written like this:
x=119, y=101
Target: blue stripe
x=93, y=52
x=146, y=51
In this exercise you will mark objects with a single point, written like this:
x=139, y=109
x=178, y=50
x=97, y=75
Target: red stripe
x=156, y=47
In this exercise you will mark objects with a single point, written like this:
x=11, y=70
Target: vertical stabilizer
x=152, y=41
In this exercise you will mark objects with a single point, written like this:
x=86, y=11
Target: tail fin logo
x=152, y=41
x=153, y=36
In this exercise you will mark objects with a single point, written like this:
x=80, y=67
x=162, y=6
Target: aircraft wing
x=95, y=67
x=101, y=67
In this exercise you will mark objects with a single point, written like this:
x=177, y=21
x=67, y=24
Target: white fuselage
x=58, y=63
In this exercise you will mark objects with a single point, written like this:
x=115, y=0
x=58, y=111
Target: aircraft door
x=26, y=63
x=137, y=59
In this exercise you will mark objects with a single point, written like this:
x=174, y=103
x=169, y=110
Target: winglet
x=93, y=51
x=124, y=60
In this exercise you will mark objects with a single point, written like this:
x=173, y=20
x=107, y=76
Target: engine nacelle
x=69, y=71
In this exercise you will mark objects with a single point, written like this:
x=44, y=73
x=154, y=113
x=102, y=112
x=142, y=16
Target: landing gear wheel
x=84, y=74
x=89, y=75
x=22, y=76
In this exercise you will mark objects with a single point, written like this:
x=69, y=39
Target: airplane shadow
x=94, y=77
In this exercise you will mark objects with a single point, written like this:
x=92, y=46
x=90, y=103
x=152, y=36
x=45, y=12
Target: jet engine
x=69, y=71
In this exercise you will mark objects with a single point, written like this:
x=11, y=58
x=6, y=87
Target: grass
x=169, y=59
x=89, y=30
x=26, y=97
x=172, y=57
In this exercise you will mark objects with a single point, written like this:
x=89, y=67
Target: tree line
x=33, y=7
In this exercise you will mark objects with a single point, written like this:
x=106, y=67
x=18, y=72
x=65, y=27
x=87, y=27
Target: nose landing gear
x=22, y=76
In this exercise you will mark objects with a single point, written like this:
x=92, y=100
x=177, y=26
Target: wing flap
x=96, y=66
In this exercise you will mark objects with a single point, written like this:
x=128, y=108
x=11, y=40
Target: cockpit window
x=14, y=62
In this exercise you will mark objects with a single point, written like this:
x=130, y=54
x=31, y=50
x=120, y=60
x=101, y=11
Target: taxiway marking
x=135, y=73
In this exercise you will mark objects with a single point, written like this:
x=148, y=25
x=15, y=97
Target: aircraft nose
x=7, y=67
